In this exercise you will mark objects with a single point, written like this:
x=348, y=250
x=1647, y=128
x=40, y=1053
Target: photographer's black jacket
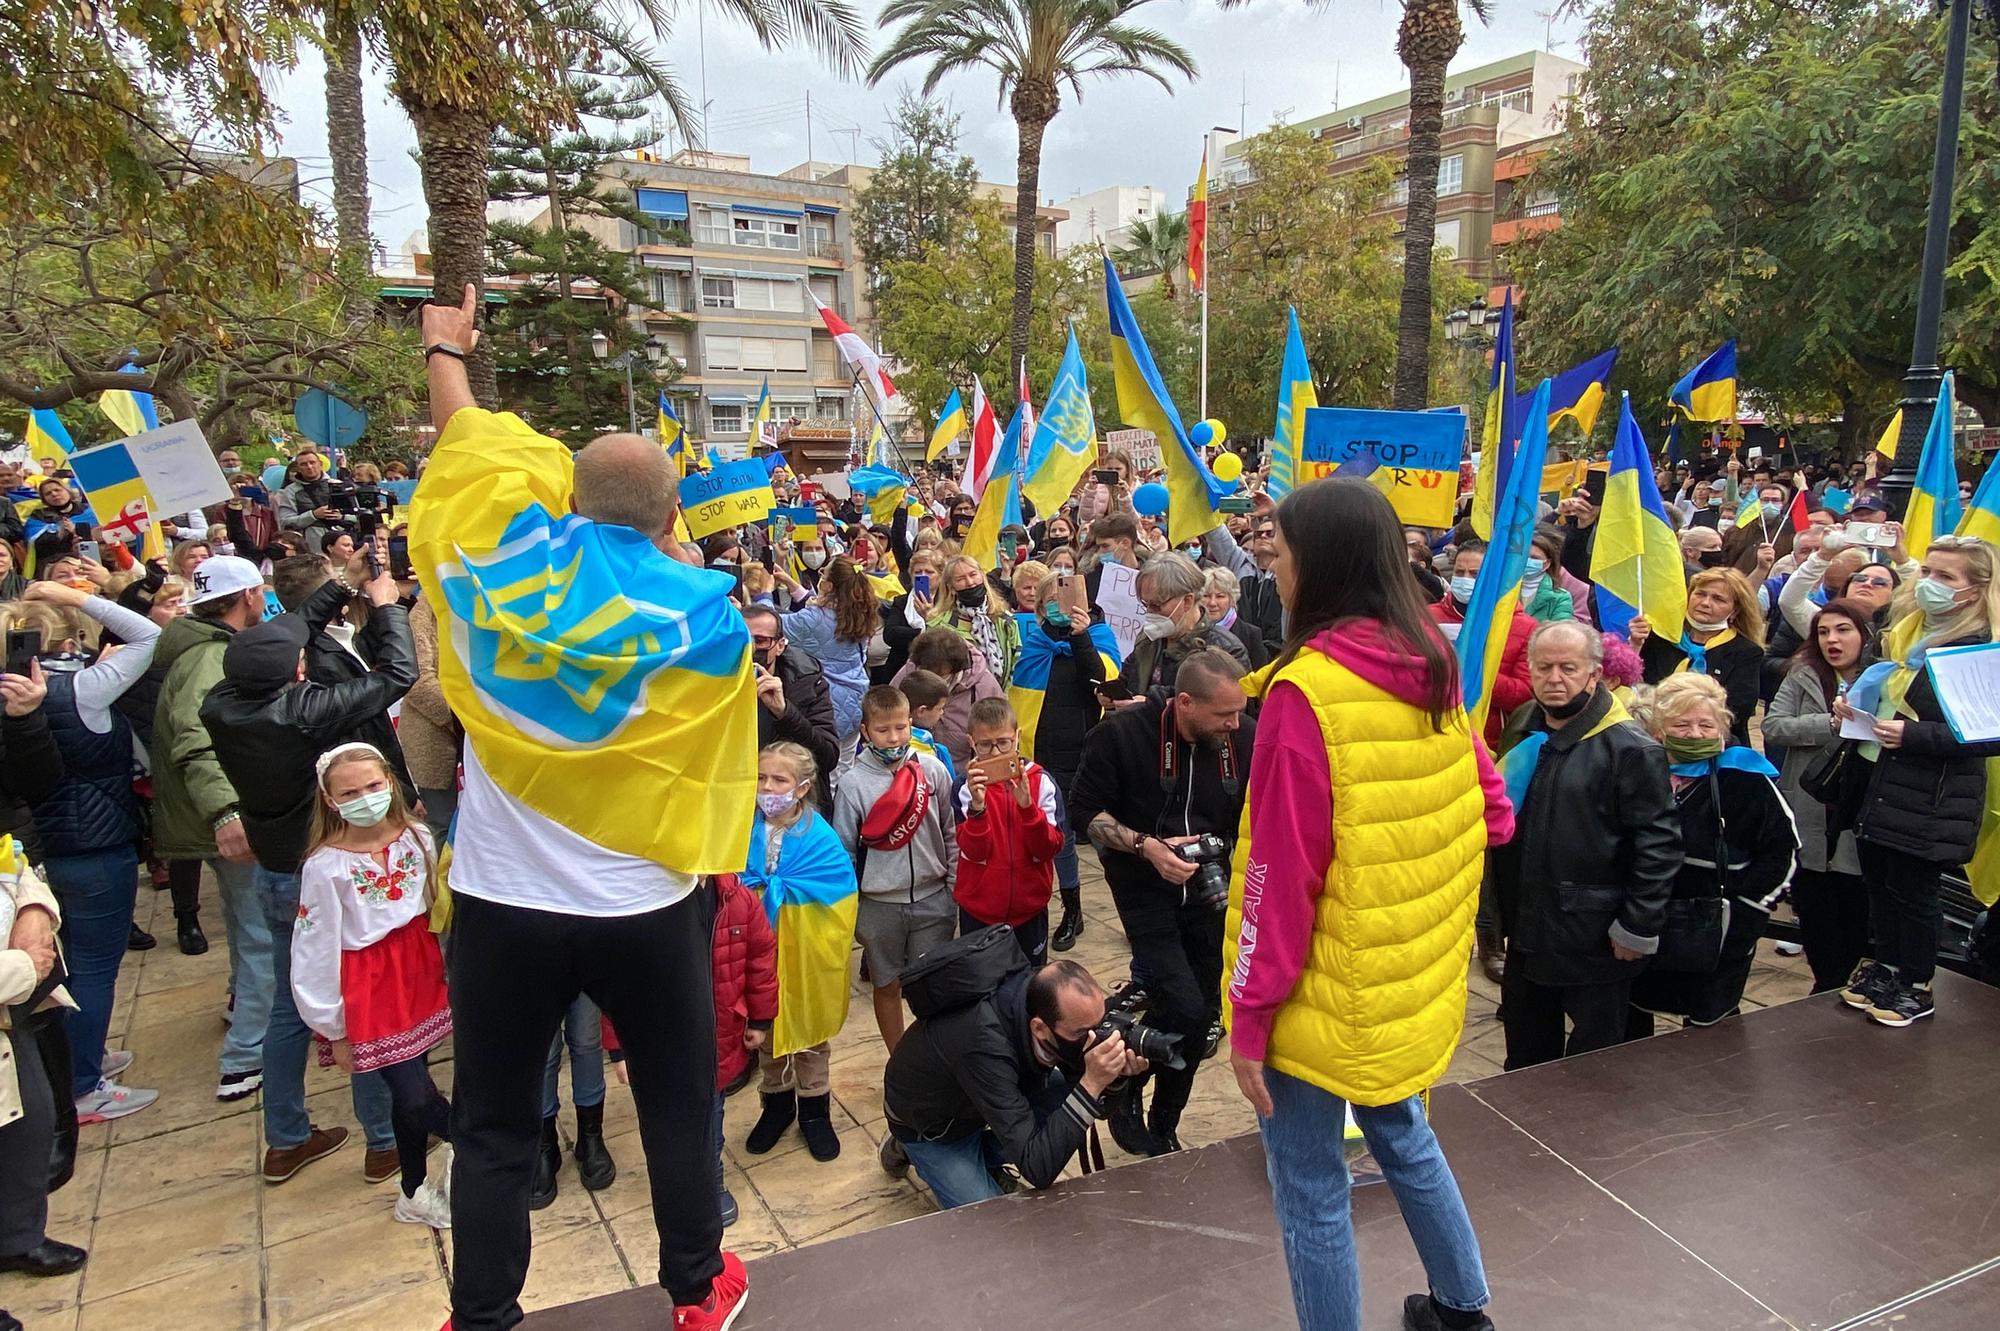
x=975, y=1067
x=1128, y=772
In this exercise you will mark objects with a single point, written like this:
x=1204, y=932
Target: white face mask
x=776, y=802
x=812, y=558
x=366, y=810
x=1707, y=625
x=1158, y=627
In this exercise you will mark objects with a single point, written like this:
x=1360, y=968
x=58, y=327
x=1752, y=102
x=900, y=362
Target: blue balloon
x=1150, y=500
x=1202, y=434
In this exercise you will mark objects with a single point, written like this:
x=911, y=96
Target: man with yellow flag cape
x=605, y=691
x=1921, y=800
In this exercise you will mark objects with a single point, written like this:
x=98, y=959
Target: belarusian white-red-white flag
x=853, y=349
x=985, y=444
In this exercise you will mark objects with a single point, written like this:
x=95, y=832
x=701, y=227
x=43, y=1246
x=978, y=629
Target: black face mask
x=971, y=597
x=1714, y=559
x=1571, y=708
x=1068, y=1053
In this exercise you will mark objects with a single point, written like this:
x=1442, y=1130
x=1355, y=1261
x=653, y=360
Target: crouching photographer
x=1006, y=1065
x=1159, y=791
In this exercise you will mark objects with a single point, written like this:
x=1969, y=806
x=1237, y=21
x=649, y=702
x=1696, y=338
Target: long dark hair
x=1349, y=561
x=856, y=615
x=1809, y=655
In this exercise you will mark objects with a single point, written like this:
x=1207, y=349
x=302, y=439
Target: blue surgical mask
x=1935, y=599
x=1532, y=576
x=1772, y=510
x=1461, y=589
x=367, y=810
x=1715, y=501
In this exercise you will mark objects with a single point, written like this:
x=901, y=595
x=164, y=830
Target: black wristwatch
x=451, y=349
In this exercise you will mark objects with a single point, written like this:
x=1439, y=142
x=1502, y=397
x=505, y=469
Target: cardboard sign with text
x=726, y=496
x=1118, y=598
x=1141, y=445
x=1416, y=454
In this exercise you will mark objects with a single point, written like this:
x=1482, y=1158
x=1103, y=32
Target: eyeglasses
x=1955, y=542
x=762, y=640
x=1263, y=533
x=1862, y=581
x=1157, y=607
x=993, y=748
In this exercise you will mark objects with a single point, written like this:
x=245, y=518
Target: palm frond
x=833, y=28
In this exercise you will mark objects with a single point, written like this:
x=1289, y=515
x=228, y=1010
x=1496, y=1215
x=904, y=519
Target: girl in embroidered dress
x=366, y=969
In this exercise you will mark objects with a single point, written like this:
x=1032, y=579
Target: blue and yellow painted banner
x=727, y=495
x=1415, y=456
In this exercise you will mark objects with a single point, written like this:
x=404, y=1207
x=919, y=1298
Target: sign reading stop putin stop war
x=1411, y=456
x=726, y=496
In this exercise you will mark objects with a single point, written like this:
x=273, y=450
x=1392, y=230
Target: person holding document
x=1918, y=797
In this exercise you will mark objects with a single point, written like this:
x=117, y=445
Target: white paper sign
x=1967, y=680
x=179, y=468
x=1118, y=598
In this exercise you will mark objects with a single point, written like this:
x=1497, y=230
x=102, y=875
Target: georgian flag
x=853, y=349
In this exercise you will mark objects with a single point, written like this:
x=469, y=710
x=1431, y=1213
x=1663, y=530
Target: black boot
x=1070, y=927
x=548, y=1159
x=1125, y=1111
x=138, y=940
x=816, y=1123
x=193, y=941
x=779, y=1112
x=594, y=1164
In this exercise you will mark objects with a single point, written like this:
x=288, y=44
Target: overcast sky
x=1288, y=61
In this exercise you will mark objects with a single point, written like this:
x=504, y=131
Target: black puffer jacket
x=31, y=766
x=1595, y=853
x=1154, y=664
x=93, y=807
x=329, y=662
x=1069, y=708
x=1737, y=665
x=975, y=1067
x=1926, y=797
x=807, y=720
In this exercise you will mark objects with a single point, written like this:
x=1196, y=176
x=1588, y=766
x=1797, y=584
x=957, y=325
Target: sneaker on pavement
x=236, y=1085
x=116, y=1061
x=281, y=1162
x=1421, y=1314
x=1905, y=1004
x=729, y=1208
x=1788, y=949
x=726, y=1297
x=1869, y=985
x=110, y=1101
x=440, y=1172
x=427, y=1206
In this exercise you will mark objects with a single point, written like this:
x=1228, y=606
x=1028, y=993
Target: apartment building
x=1500, y=118
x=1106, y=216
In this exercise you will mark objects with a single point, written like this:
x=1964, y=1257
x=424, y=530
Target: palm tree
x=1035, y=46
x=347, y=145
x=1159, y=245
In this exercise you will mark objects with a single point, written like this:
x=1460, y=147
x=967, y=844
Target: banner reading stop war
x=1415, y=455
x=726, y=496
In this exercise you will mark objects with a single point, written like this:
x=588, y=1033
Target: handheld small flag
x=762, y=417
x=1934, y=506
x=1197, y=221
x=1482, y=639
x=672, y=434
x=1143, y=402
x=1296, y=395
x=1065, y=439
x=985, y=444
x=950, y=426
x=48, y=437
x=1636, y=560
x=1708, y=391
x=1503, y=426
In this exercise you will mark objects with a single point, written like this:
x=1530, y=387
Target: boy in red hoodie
x=1008, y=836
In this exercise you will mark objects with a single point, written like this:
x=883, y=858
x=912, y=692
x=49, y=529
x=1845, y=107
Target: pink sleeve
x=1291, y=846
x=1499, y=811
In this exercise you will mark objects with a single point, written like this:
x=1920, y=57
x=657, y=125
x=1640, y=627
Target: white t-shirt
x=505, y=852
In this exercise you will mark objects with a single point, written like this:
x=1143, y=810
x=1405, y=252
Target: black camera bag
x=960, y=973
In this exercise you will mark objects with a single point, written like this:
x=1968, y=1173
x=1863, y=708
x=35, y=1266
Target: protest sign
x=174, y=463
x=1118, y=598
x=1416, y=455
x=726, y=496
x=1141, y=445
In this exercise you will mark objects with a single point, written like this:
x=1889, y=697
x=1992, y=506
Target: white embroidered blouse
x=348, y=900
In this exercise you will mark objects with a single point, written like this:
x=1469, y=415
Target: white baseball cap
x=223, y=575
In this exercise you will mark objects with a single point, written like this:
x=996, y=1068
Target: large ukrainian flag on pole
x=1934, y=506
x=129, y=411
x=601, y=684
x=951, y=425
x=1143, y=403
x=1636, y=561
x=1295, y=395
x=1497, y=593
x=48, y=437
x=1503, y=427
x=1065, y=438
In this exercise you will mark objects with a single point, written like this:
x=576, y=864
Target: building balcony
x=825, y=249
x=1507, y=232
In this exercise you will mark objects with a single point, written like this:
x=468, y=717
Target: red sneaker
x=725, y=1300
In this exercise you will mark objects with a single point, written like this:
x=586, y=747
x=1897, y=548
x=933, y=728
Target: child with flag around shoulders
x=1918, y=801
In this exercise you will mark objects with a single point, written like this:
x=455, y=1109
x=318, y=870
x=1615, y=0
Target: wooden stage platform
x=1798, y=1168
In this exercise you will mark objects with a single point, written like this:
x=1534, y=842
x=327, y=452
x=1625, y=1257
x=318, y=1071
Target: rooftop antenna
x=1548, y=17
x=701, y=40
x=1243, y=108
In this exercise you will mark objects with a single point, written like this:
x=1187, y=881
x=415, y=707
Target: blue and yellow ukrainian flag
x=1000, y=501
x=1028, y=686
x=1065, y=439
x=1295, y=395
x=1503, y=427
x=1708, y=391
x=600, y=683
x=1497, y=593
x=109, y=475
x=761, y=417
x=884, y=489
x=1934, y=505
x=1982, y=519
x=1577, y=392
x=48, y=437
x=1143, y=403
x=673, y=435
x=811, y=901
x=951, y=425
x=129, y=411
x=1636, y=561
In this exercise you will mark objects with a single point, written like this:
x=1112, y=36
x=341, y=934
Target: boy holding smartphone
x=1008, y=834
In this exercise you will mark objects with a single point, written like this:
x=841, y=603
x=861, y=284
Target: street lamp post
x=600, y=347
x=1920, y=382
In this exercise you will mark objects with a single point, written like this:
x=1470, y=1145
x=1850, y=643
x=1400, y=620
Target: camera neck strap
x=1170, y=746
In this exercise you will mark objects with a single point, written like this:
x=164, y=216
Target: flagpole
x=876, y=408
x=1204, y=328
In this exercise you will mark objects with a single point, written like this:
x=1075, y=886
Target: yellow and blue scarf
x=1028, y=687
x=1517, y=767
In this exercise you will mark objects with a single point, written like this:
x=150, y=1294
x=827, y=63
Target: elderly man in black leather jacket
x=1585, y=882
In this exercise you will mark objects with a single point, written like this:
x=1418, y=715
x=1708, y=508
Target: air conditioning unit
x=1453, y=96
x=1354, y=122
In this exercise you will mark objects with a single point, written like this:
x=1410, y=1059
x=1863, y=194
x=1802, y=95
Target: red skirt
x=394, y=992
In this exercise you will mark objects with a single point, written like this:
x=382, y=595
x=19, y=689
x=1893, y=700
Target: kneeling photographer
x=1159, y=791
x=1006, y=1065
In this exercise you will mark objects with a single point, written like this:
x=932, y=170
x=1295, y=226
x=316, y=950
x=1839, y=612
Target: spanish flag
x=1193, y=492
x=1197, y=219
x=811, y=901
x=600, y=683
x=950, y=425
x=1028, y=686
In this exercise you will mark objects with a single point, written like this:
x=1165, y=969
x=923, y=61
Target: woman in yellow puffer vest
x=1370, y=807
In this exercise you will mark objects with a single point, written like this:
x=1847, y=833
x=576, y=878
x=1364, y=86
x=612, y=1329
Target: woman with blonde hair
x=1917, y=798
x=973, y=610
x=1740, y=847
x=1723, y=638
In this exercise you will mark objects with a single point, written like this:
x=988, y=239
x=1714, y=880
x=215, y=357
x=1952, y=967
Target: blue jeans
x=287, y=1041
x=440, y=803
x=250, y=972
x=959, y=1172
x=584, y=1035
x=1307, y=1162
x=96, y=892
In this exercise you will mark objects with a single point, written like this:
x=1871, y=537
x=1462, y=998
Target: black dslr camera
x=1121, y=1017
x=1209, y=887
